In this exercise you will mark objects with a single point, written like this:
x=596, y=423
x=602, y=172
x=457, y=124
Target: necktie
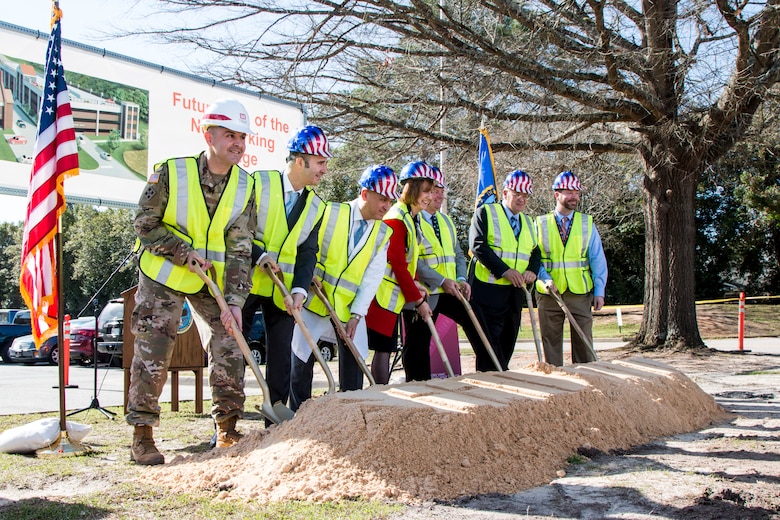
x=292, y=198
x=564, y=229
x=515, y=224
x=361, y=227
x=435, y=225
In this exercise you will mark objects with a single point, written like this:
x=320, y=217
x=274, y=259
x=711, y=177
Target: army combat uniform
x=171, y=217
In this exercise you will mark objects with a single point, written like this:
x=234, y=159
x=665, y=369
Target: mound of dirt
x=442, y=439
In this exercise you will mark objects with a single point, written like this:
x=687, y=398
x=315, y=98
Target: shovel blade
x=277, y=413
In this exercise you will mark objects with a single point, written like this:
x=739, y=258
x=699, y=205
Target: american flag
x=56, y=158
x=486, y=183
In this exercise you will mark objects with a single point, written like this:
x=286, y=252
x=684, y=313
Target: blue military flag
x=486, y=184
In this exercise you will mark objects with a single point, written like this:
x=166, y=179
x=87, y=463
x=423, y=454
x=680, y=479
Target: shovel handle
x=573, y=322
x=440, y=347
x=239, y=336
x=534, y=326
x=305, y=330
x=480, y=331
x=343, y=332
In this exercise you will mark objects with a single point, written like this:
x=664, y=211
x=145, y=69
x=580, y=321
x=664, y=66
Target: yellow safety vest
x=273, y=233
x=515, y=252
x=187, y=217
x=439, y=255
x=568, y=266
x=389, y=295
x=341, y=277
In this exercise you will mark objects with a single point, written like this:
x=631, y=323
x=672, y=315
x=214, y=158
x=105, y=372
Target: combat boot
x=143, y=451
x=227, y=434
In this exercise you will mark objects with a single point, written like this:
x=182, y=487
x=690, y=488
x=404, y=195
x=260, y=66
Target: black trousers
x=278, y=337
x=416, y=354
x=350, y=375
x=498, y=310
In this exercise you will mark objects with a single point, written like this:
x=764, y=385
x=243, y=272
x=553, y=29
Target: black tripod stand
x=95, y=404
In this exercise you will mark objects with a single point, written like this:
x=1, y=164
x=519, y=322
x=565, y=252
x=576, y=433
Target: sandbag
x=39, y=434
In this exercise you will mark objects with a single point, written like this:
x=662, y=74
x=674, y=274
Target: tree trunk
x=669, y=319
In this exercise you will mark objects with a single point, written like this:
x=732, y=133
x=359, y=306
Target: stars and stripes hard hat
x=310, y=140
x=518, y=181
x=566, y=181
x=227, y=113
x=416, y=170
x=380, y=179
x=438, y=177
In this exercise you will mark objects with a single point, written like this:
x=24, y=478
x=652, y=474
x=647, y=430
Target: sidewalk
x=29, y=389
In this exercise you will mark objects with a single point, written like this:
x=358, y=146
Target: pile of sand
x=478, y=433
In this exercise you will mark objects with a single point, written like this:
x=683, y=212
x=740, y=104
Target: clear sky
x=87, y=21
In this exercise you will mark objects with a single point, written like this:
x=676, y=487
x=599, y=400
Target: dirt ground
x=728, y=471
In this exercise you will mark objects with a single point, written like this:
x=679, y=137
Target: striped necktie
x=515, y=224
x=564, y=229
x=435, y=225
x=361, y=228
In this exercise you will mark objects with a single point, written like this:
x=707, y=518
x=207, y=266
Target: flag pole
x=63, y=446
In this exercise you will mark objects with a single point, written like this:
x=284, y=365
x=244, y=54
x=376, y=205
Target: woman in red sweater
x=398, y=285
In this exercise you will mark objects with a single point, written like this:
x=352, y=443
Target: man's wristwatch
x=355, y=316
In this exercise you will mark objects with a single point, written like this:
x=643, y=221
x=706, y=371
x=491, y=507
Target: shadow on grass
x=44, y=509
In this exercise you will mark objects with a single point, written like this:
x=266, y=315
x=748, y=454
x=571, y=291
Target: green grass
x=105, y=484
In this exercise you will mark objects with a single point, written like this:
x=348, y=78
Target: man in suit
x=569, y=238
x=503, y=242
x=353, y=243
x=288, y=220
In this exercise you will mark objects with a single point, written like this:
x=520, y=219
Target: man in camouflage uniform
x=193, y=210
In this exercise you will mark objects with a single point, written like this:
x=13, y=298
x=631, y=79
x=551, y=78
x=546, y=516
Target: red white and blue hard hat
x=310, y=140
x=416, y=170
x=438, y=178
x=567, y=181
x=380, y=179
x=518, y=181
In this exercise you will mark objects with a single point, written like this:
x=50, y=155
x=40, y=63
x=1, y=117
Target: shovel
x=305, y=330
x=343, y=332
x=481, y=332
x=573, y=322
x=276, y=413
x=440, y=347
x=534, y=326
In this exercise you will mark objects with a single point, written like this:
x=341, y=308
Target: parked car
x=327, y=344
x=111, y=323
x=19, y=326
x=111, y=320
x=256, y=338
x=82, y=333
x=105, y=156
x=21, y=124
x=17, y=139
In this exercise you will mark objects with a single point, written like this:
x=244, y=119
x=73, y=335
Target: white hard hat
x=227, y=113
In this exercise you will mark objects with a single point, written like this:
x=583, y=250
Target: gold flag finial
x=56, y=12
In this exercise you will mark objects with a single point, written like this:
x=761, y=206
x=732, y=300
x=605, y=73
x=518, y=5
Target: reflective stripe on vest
x=567, y=265
x=186, y=216
x=389, y=295
x=439, y=256
x=341, y=277
x=273, y=233
x=515, y=252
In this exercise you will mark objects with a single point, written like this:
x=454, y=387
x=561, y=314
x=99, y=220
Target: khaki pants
x=551, y=318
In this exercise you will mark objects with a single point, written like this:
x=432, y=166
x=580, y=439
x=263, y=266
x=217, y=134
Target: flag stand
x=63, y=446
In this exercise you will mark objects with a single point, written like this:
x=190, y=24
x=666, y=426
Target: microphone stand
x=95, y=404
